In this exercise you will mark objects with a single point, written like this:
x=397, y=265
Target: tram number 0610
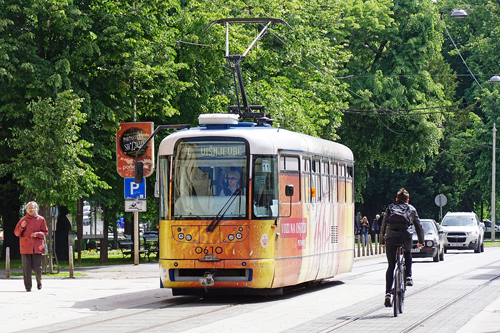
x=208, y=250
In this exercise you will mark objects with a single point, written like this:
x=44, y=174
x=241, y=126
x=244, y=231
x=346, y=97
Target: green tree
x=49, y=165
x=393, y=119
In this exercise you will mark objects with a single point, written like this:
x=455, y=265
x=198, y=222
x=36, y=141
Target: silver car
x=433, y=241
x=463, y=231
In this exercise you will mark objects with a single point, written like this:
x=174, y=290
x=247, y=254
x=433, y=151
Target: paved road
x=461, y=294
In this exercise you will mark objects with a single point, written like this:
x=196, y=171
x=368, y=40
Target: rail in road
x=429, y=298
x=445, y=296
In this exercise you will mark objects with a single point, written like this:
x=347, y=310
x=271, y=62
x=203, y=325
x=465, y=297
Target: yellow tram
x=289, y=221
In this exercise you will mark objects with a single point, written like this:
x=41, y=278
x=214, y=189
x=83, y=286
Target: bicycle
x=398, y=292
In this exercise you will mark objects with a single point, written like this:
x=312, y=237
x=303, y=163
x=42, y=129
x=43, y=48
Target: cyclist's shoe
x=409, y=281
x=387, y=301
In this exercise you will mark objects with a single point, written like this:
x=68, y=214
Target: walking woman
x=31, y=230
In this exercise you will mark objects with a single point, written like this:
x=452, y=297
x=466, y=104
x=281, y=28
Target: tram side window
x=341, y=183
x=306, y=181
x=334, y=181
x=164, y=178
x=325, y=181
x=289, y=163
x=315, y=182
x=350, y=184
x=265, y=186
x=289, y=167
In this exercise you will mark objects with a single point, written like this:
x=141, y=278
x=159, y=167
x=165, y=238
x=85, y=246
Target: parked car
x=433, y=241
x=487, y=226
x=463, y=231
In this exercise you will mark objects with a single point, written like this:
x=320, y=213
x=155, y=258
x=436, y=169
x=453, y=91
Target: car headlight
x=429, y=243
x=472, y=233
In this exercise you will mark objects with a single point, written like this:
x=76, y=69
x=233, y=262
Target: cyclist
x=396, y=229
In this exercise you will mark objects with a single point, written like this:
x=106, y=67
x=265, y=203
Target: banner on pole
x=129, y=139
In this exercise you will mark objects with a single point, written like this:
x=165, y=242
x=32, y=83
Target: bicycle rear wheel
x=396, y=293
x=402, y=288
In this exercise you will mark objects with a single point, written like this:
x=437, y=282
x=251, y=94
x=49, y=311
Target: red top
x=34, y=224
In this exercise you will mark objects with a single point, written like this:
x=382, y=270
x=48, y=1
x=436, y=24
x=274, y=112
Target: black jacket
x=386, y=231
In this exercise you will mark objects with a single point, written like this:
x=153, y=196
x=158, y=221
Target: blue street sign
x=133, y=190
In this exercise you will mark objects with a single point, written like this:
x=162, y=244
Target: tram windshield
x=210, y=179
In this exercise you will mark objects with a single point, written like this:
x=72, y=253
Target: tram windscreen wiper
x=217, y=218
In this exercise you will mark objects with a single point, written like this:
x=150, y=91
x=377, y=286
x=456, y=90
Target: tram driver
x=233, y=183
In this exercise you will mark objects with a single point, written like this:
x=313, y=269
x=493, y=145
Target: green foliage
x=49, y=164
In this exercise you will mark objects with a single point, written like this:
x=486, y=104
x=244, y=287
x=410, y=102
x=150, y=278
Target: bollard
x=7, y=262
x=359, y=250
x=71, y=266
x=376, y=244
x=369, y=244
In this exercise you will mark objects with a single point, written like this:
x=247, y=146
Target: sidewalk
x=486, y=321
x=102, y=289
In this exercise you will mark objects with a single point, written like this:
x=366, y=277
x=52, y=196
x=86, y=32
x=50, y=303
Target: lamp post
x=493, y=198
x=494, y=79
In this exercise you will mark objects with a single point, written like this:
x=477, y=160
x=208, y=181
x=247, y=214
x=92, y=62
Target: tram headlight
x=238, y=235
x=230, y=237
x=429, y=243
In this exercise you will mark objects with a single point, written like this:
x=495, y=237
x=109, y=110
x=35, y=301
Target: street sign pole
x=441, y=207
x=136, y=238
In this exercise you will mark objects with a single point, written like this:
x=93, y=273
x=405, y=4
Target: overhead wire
x=377, y=112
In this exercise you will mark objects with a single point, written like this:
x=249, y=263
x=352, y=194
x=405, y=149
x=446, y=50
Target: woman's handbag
x=45, y=247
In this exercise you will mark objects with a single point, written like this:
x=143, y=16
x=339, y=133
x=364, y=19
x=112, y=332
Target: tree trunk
x=104, y=242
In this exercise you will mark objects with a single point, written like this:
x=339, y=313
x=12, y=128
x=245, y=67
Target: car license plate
x=456, y=244
x=415, y=250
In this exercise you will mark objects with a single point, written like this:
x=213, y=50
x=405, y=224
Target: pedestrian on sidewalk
x=31, y=230
x=365, y=227
x=376, y=226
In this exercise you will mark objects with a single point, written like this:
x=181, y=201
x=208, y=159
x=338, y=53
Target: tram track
x=448, y=305
x=429, y=316
x=130, y=317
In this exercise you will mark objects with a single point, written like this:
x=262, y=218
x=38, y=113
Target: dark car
x=433, y=241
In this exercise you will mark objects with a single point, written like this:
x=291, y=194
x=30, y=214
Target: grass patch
x=491, y=244
x=51, y=275
x=90, y=258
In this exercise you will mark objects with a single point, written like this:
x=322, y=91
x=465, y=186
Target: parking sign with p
x=133, y=190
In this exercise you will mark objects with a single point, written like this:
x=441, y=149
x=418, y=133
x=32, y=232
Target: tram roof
x=263, y=140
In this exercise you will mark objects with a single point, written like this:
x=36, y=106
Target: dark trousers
x=32, y=262
x=391, y=246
